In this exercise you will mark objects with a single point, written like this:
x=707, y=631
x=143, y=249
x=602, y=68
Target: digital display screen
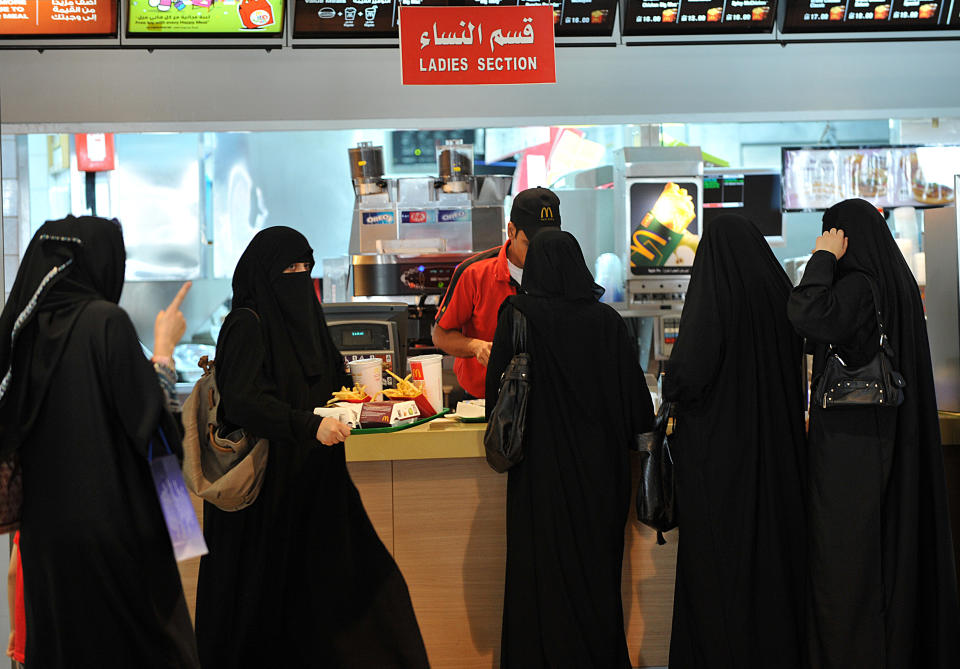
x=58, y=18
x=690, y=17
x=419, y=147
x=817, y=178
x=355, y=338
x=858, y=15
x=756, y=197
x=235, y=18
x=665, y=227
x=378, y=18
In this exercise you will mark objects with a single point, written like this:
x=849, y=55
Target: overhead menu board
x=58, y=18
x=379, y=18
x=888, y=176
x=857, y=15
x=236, y=18
x=691, y=17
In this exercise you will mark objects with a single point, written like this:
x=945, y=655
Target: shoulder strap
x=884, y=340
x=255, y=314
x=519, y=331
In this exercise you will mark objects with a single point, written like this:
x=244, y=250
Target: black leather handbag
x=656, y=494
x=873, y=384
x=503, y=439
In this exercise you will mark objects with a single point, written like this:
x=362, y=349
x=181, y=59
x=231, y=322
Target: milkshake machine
x=409, y=234
x=658, y=203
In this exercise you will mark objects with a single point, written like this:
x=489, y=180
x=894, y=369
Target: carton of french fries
x=353, y=395
x=408, y=391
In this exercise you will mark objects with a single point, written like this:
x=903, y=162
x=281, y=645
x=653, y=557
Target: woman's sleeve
x=501, y=353
x=247, y=398
x=639, y=406
x=132, y=389
x=695, y=361
x=821, y=309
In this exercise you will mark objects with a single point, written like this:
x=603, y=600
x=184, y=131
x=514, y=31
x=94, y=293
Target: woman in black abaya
x=80, y=404
x=883, y=586
x=735, y=372
x=568, y=500
x=299, y=578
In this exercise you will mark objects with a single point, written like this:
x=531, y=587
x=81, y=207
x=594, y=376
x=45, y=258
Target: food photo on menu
x=652, y=17
x=873, y=15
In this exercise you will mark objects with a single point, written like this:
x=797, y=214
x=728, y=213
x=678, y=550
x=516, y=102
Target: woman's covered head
x=268, y=255
x=870, y=244
x=555, y=267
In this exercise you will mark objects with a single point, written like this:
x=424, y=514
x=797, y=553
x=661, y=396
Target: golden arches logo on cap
x=546, y=213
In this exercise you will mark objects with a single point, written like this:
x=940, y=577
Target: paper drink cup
x=367, y=373
x=426, y=372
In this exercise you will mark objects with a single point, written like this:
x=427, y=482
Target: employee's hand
x=11, y=644
x=332, y=431
x=170, y=325
x=481, y=350
x=832, y=241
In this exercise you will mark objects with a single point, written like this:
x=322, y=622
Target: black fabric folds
x=883, y=585
x=299, y=578
x=568, y=500
x=81, y=404
x=735, y=374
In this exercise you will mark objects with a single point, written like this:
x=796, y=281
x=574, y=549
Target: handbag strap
x=884, y=339
x=519, y=331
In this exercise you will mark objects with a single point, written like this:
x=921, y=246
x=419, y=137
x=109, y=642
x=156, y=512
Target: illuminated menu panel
x=58, y=18
x=378, y=18
x=236, y=18
x=858, y=15
x=665, y=17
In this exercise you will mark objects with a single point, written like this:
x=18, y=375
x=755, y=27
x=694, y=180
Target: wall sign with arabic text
x=477, y=45
x=60, y=18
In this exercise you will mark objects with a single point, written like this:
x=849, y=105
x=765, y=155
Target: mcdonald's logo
x=546, y=213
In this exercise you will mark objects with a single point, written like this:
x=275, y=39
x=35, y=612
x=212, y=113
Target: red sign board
x=477, y=45
x=58, y=17
x=95, y=152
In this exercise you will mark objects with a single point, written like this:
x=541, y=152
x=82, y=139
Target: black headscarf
x=555, y=268
x=297, y=341
x=68, y=264
x=734, y=269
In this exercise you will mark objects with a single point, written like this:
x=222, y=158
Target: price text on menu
x=663, y=17
x=30, y=18
x=858, y=15
x=480, y=45
x=380, y=18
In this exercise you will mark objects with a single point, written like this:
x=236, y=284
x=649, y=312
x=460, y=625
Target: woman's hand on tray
x=332, y=431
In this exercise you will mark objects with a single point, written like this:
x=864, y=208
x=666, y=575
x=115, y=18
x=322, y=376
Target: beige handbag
x=226, y=471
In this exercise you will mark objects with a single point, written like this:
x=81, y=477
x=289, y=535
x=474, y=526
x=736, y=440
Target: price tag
x=178, y=513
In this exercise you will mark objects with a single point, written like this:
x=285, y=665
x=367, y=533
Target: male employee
x=467, y=317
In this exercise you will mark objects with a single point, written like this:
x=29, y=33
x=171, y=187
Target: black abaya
x=736, y=373
x=101, y=584
x=568, y=500
x=299, y=578
x=883, y=586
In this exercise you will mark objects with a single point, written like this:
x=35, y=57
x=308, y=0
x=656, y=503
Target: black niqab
x=69, y=263
x=739, y=460
x=296, y=338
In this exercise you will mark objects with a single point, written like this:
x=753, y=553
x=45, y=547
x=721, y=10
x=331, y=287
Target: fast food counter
x=441, y=511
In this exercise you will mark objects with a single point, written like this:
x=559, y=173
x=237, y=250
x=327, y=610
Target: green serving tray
x=476, y=419
x=397, y=428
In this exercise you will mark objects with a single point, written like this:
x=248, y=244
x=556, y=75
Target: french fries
x=404, y=387
x=355, y=394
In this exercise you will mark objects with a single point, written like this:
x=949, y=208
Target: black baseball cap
x=534, y=209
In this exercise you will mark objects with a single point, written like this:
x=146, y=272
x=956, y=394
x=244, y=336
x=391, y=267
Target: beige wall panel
x=450, y=541
x=374, y=480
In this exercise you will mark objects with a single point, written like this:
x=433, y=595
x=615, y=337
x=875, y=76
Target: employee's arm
x=458, y=344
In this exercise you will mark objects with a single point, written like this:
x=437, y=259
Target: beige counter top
x=438, y=439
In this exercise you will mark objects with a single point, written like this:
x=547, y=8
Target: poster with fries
x=664, y=226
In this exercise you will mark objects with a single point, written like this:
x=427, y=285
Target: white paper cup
x=367, y=373
x=427, y=373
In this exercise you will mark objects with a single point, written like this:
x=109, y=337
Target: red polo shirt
x=471, y=305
